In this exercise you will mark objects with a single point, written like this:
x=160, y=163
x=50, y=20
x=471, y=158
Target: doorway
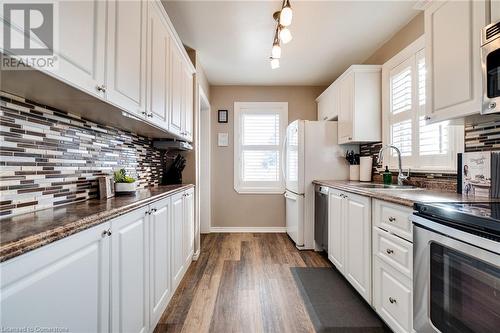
x=204, y=158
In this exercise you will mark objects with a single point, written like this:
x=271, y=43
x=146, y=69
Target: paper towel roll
x=365, y=172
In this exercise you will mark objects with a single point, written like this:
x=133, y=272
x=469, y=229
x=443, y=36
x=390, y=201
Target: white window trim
x=257, y=187
x=456, y=135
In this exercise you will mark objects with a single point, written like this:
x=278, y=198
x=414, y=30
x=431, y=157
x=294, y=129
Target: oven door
x=490, y=54
x=456, y=280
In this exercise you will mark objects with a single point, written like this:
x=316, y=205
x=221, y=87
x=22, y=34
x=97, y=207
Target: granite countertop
x=23, y=233
x=405, y=197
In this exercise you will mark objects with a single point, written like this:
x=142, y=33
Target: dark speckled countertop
x=26, y=232
x=405, y=197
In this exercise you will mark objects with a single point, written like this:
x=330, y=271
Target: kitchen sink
x=387, y=187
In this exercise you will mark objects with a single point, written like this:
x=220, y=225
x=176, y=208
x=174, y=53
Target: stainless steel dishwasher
x=321, y=217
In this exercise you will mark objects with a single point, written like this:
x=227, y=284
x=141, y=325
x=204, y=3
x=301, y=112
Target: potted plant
x=124, y=183
x=353, y=160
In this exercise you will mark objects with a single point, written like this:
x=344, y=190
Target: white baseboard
x=196, y=255
x=248, y=229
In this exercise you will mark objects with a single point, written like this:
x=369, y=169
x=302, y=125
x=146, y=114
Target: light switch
x=223, y=139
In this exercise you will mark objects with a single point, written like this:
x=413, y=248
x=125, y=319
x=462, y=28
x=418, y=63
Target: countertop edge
x=24, y=245
x=379, y=196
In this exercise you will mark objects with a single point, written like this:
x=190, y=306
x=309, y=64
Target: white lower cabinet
x=160, y=282
x=129, y=272
x=115, y=277
x=64, y=284
x=392, y=296
x=349, y=242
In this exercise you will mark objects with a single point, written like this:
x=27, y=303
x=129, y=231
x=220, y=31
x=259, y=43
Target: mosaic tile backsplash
x=482, y=133
x=50, y=157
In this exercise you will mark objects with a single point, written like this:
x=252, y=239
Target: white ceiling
x=234, y=38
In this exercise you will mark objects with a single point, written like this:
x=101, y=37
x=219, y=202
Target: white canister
x=366, y=166
x=354, y=172
x=125, y=187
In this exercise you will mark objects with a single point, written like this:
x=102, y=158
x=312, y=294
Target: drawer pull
x=389, y=251
x=392, y=219
x=392, y=300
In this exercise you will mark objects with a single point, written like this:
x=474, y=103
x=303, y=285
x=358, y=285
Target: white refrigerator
x=310, y=152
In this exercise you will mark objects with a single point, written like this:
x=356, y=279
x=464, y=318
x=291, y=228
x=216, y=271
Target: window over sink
x=259, y=132
x=423, y=146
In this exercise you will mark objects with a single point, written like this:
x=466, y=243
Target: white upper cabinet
x=81, y=51
x=126, y=55
x=187, y=105
x=177, y=90
x=359, y=104
x=158, y=82
x=328, y=103
x=452, y=44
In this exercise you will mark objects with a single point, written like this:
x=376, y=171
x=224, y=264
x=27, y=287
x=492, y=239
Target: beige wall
x=230, y=209
x=403, y=38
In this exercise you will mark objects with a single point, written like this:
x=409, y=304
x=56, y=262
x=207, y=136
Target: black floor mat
x=333, y=304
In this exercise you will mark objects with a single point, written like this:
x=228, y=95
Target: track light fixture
x=282, y=33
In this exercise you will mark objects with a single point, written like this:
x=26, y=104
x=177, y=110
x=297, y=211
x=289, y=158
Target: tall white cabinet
x=349, y=239
x=115, y=277
x=452, y=44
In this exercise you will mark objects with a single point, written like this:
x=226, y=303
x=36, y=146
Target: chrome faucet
x=401, y=175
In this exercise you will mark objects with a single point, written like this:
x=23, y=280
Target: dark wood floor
x=241, y=283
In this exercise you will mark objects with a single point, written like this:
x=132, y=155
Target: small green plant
x=121, y=177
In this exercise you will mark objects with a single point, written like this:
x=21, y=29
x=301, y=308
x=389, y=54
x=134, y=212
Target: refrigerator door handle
x=290, y=197
x=283, y=158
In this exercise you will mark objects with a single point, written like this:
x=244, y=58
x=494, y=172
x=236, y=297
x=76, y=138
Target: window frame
x=430, y=163
x=254, y=187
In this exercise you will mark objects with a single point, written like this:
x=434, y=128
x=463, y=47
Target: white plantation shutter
x=259, y=132
x=423, y=146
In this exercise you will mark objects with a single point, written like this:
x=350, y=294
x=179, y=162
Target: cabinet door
x=187, y=112
x=81, y=60
x=129, y=272
x=346, y=108
x=336, y=239
x=453, y=31
x=63, y=284
x=126, y=55
x=177, y=238
x=158, y=67
x=160, y=246
x=188, y=225
x=177, y=89
x=358, y=243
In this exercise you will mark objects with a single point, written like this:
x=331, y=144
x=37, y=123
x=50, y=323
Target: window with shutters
x=258, y=137
x=424, y=147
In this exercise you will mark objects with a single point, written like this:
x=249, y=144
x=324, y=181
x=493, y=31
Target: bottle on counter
x=387, y=176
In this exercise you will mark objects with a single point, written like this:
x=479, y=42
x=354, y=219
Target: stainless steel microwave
x=490, y=58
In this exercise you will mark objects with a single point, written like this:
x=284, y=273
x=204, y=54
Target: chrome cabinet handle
x=101, y=88
x=144, y=113
x=106, y=233
x=349, y=138
x=427, y=118
x=389, y=251
x=150, y=115
x=392, y=219
x=392, y=300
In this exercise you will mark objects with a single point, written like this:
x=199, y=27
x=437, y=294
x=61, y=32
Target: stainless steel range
x=456, y=262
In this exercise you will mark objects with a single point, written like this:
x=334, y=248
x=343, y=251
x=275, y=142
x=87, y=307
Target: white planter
x=125, y=187
x=354, y=172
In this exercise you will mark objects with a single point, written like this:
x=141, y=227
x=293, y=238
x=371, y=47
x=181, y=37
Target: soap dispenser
x=387, y=175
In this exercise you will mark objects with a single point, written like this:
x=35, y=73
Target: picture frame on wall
x=222, y=116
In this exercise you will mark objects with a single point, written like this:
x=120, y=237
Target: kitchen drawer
x=393, y=250
x=393, y=218
x=392, y=297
